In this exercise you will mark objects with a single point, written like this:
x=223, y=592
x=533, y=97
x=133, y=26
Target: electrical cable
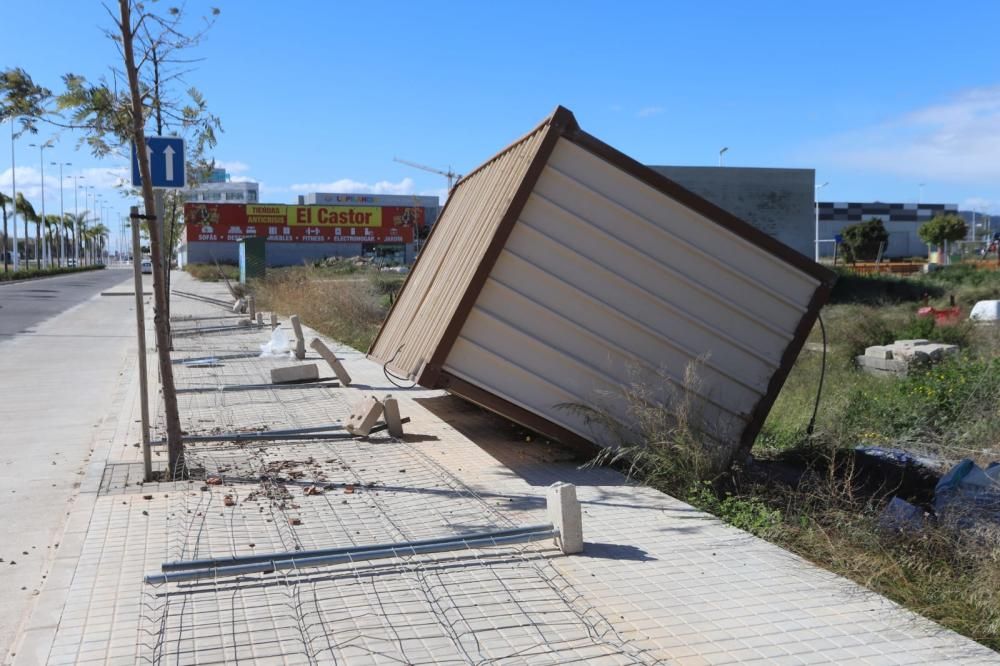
x=822, y=375
x=391, y=378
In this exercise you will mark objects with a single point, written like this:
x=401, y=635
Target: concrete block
x=274, y=321
x=331, y=360
x=239, y=306
x=879, y=352
x=251, y=308
x=563, y=511
x=364, y=414
x=260, y=318
x=295, y=374
x=390, y=407
x=912, y=343
x=300, y=342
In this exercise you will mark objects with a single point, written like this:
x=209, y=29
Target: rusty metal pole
x=140, y=322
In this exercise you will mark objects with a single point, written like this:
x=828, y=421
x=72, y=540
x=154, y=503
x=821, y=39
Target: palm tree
x=99, y=233
x=77, y=222
x=25, y=209
x=52, y=224
x=4, y=202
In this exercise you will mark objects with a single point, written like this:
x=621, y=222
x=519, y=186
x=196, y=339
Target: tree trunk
x=175, y=448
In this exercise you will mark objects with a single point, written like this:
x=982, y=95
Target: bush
x=863, y=240
x=29, y=273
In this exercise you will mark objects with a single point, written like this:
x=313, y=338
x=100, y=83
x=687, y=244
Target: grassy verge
x=25, y=274
x=828, y=509
x=210, y=272
x=344, y=303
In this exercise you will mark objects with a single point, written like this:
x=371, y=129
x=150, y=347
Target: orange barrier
x=887, y=267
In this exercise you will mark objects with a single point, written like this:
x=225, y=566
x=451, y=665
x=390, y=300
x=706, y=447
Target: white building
x=226, y=192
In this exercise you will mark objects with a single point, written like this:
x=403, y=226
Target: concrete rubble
x=901, y=356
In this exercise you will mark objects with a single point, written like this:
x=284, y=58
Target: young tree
x=863, y=240
x=943, y=229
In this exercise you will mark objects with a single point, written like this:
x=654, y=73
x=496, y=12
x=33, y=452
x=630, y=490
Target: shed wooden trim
x=516, y=413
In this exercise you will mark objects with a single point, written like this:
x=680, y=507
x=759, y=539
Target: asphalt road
x=25, y=304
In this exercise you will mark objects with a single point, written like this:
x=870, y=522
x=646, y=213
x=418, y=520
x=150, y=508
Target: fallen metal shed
x=562, y=270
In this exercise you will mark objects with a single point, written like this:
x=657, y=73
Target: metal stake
x=140, y=330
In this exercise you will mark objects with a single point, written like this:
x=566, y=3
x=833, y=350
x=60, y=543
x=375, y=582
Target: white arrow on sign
x=168, y=153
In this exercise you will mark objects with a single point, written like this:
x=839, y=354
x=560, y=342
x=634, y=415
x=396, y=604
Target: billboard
x=223, y=223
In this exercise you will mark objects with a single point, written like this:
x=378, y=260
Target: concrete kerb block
x=274, y=321
x=563, y=511
x=394, y=423
x=364, y=414
x=295, y=374
x=300, y=342
x=260, y=318
x=331, y=360
x=251, y=307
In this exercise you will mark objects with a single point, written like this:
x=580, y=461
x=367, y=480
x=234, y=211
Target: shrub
x=27, y=273
x=862, y=240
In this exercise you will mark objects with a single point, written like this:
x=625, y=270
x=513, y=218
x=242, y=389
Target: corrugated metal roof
x=566, y=271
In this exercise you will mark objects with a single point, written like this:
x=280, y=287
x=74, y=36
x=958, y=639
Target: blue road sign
x=166, y=162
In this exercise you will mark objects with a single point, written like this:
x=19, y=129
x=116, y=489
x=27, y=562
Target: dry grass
x=347, y=307
x=210, y=272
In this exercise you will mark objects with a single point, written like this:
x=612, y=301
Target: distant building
x=218, y=188
x=322, y=225
x=901, y=220
x=779, y=202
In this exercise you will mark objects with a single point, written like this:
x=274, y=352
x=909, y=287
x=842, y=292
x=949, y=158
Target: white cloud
x=29, y=182
x=404, y=186
x=242, y=179
x=979, y=204
x=232, y=166
x=649, y=111
x=441, y=193
x=957, y=140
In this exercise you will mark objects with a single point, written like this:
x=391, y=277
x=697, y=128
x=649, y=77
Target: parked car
x=147, y=266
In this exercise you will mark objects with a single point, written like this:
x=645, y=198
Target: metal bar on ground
x=212, y=318
x=217, y=562
x=272, y=435
x=327, y=383
x=213, y=329
x=208, y=359
x=361, y=554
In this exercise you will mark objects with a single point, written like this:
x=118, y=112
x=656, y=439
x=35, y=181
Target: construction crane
x=449, y=174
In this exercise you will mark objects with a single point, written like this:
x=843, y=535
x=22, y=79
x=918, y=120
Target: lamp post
x=39, y=225
x=76, y=219
x=62, y=214
x=816, y=196
x=13, y=190
x=721, y=151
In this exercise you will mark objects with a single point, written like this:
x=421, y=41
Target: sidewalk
x=658, y=582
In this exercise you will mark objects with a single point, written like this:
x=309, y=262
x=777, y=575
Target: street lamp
x=816, y=196
x=13, y=190
x=39, y=225
x=76, y=219
x=723, y=150
x=61, y=233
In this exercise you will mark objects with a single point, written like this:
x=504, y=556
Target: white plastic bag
x=278, y=345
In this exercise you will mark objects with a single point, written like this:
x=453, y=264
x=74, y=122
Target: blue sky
x=878, y=97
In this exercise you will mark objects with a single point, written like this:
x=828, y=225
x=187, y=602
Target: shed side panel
x=451, y=257
x=605, y=282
